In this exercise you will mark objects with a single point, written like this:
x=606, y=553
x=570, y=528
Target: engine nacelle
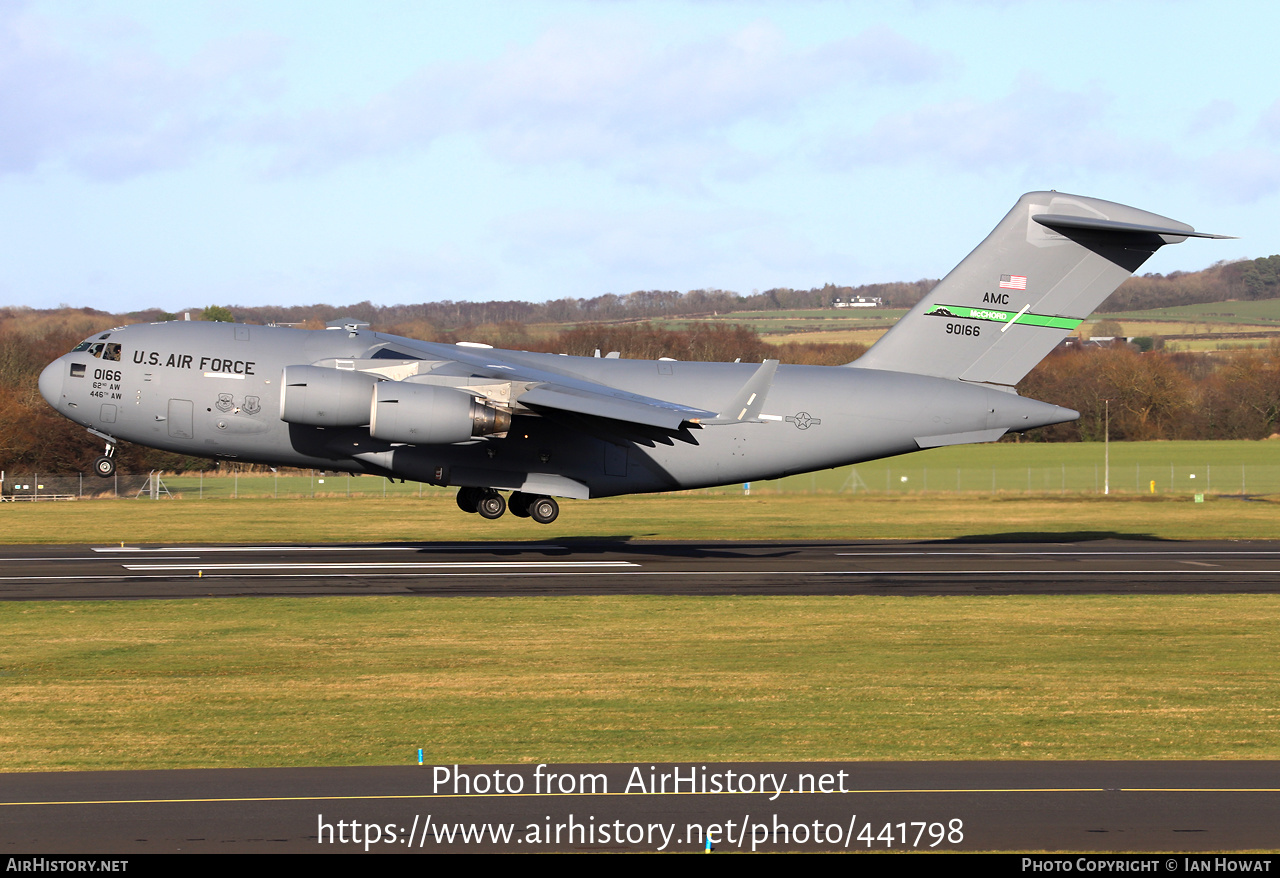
x=424, y=414
x=320, y=397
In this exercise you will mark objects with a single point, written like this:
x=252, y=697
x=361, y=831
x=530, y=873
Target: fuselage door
x=180, y=412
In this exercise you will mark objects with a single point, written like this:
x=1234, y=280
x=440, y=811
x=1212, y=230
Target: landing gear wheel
x=105, y=467
x=491, y=505
x=468, y=498
x=518, y=504
x=544, y=510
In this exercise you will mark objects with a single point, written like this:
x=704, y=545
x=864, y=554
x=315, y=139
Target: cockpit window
x=100, y=348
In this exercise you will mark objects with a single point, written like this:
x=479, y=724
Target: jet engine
x=424, y=414
x=320, y=397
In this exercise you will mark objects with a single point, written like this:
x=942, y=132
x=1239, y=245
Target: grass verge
x=354, y=681
x=328, y=681
x=665, y=517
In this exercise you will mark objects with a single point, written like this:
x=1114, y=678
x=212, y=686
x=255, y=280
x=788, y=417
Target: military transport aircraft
x=544, y=425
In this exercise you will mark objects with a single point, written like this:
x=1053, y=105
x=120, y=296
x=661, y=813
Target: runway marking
x=139, y=572
x=550, y=795
x=436, y=547
x=416, y=565
x=538, y=547
x=514, y=565
x=51, y=558
x=962, y=553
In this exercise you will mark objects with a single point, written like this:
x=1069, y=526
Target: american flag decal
x=1013, y=281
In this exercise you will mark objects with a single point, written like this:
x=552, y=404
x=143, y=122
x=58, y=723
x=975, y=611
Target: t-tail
x=1045, y=268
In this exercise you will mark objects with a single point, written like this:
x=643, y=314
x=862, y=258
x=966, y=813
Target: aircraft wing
x=550, y=388
x=604, y=402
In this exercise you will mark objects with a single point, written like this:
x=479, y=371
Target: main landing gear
x=490, y=504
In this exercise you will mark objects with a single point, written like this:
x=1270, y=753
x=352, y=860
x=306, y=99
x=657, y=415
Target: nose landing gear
x=105, y=466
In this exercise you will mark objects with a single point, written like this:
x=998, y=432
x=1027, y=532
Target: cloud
x=1211, y=117
x=611, y=95
x=1268, y=126
x=1042, y=133
x=1244, y=175
x=624, y=250
x=1033, y=125
x=1245, y=171
x=604, y=95
x=1035, y=131
x=113, y=113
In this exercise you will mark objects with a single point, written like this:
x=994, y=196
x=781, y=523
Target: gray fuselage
x=214, y=390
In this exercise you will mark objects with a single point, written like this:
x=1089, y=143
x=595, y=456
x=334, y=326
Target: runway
x=626, y=567
x=958, y=806
x=923, y=806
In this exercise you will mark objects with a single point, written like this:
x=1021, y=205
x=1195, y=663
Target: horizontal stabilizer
x=1005, y=412
x=1062, y=221
x=968, y=438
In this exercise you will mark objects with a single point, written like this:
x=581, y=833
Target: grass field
x=666, y=517
x=1176, y=328
x=1265, y=312
x=947, y=492
x=350, y=681
x=811, y=326
x=842, y=326
x=353, y=681
x=1214, y=346
x=866, y=337
x=1178, y=469
x=831, y=325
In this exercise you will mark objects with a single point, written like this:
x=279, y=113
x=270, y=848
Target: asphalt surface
x=939, y=806
x=622, y=567
x=956, y=806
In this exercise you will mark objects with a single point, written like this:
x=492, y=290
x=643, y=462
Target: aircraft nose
x=51, y=382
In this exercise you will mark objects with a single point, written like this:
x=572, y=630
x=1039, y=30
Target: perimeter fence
x=207, y=486
x=900, y=477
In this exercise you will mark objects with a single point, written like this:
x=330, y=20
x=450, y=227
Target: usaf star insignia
x=803, y=420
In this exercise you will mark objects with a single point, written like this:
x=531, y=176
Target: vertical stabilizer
x=1048, y=264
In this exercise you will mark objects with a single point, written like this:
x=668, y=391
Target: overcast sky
x=175, y=155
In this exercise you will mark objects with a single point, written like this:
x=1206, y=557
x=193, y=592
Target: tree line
x=1223, y=281
x=1159, y=395
x=1147, y=396
x=34, y=438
